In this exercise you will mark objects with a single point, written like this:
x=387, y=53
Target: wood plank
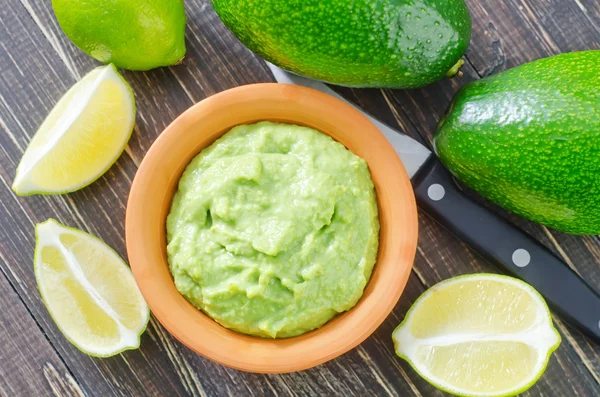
x=509, y=33
x=39, y=64
x=35, y=370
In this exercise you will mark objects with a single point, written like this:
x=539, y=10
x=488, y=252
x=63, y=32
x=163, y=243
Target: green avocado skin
x=358, y=43
x=529, y=140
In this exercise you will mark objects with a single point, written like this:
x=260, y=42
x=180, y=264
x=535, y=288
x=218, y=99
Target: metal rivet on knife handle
x=436, y=192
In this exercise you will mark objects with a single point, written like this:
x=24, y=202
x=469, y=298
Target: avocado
x=528, y=139
x=359, y=43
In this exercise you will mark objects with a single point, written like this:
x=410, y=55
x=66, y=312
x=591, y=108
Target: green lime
x=132, y=34
x=478, y=335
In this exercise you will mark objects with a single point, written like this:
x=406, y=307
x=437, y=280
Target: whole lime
x=132, y=34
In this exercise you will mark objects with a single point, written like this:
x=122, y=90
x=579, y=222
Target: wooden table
x=38, y=64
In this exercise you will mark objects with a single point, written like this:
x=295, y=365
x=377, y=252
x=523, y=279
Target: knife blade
x=490, y=235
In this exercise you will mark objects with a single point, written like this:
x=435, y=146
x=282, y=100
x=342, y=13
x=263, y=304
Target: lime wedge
x=88, y=290
x=478, y=335
x=81, y=138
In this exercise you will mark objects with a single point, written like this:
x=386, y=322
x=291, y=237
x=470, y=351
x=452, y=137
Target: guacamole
x=273, y=230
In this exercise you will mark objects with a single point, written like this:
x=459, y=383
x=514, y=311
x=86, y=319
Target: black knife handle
x=507, y=246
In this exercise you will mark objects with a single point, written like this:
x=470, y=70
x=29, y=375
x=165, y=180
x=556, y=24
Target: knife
x=491, y=236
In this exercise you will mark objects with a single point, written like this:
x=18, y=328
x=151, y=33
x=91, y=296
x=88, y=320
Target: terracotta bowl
x=156, y=181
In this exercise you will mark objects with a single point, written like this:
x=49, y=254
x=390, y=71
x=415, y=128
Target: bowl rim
x=156, y=180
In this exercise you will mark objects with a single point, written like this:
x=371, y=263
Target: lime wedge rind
x=75, y=101
x=47, y=234
x=542, y=336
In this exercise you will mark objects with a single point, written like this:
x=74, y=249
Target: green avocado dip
x=273, y=230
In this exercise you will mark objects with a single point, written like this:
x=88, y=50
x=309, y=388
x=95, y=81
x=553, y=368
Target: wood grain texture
x=26, y=371
x=39, y=64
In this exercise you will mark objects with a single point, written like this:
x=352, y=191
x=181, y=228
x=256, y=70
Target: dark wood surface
x=38, y=64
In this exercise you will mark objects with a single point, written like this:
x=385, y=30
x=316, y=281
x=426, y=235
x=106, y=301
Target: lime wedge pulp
x=478, y=335
x=88, y=290
x=81, y=138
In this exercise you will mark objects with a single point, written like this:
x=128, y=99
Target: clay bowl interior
x=150, y=201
